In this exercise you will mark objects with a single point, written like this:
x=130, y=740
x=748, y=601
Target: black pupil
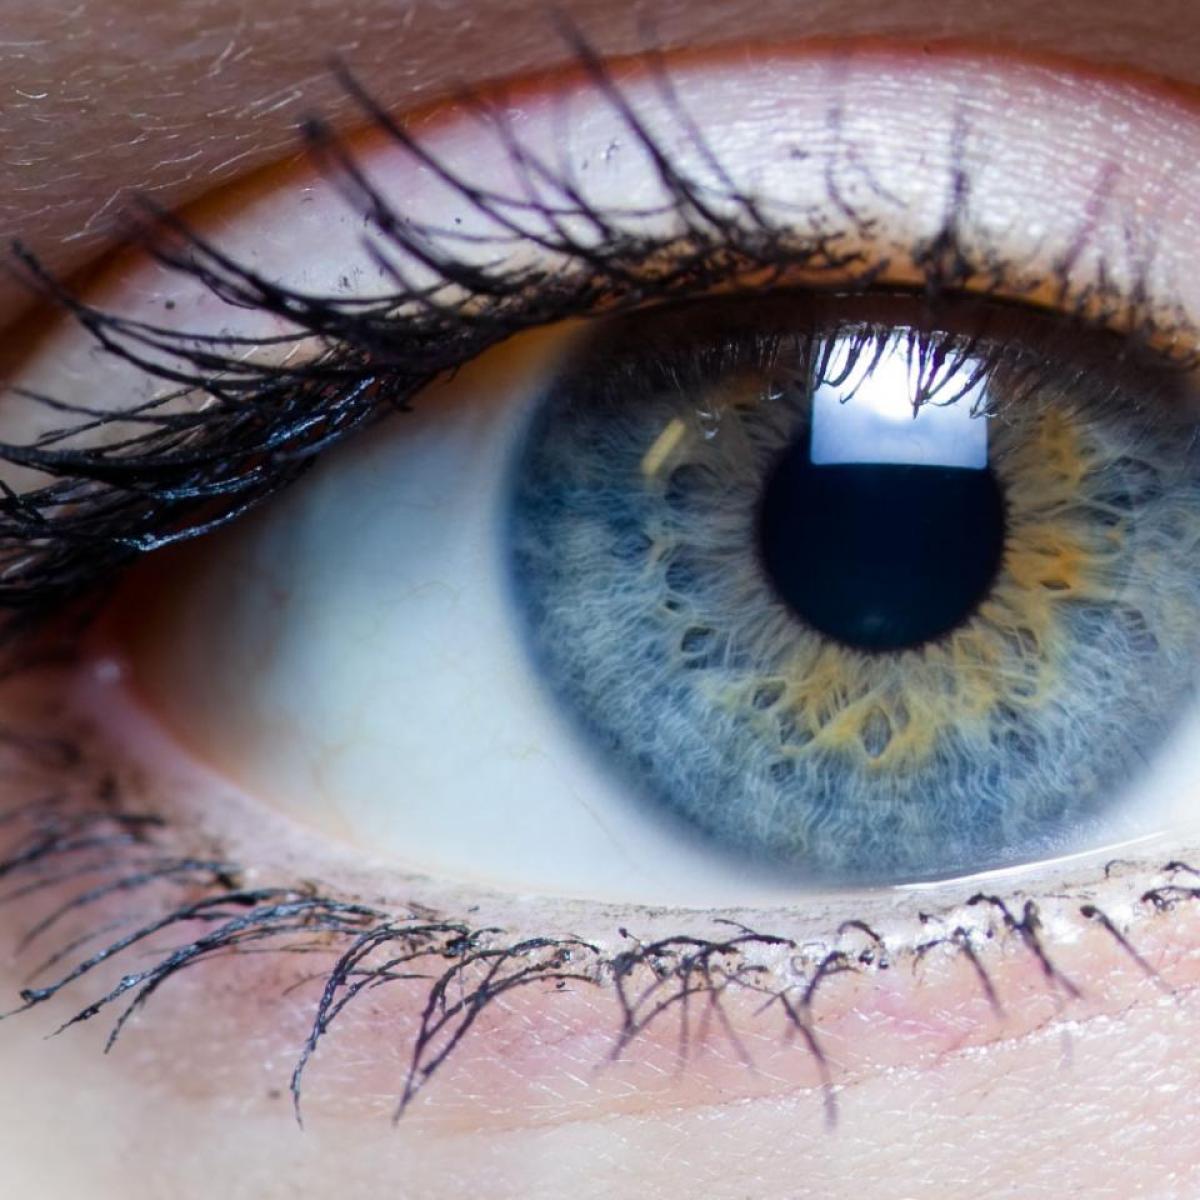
x=880, y=556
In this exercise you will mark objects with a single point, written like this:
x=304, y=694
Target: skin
x=1065, y=1096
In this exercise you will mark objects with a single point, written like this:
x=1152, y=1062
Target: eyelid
x=823, y=121
x=823, y=149
x=882, y=983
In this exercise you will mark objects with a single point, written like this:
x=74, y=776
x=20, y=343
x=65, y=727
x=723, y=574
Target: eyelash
x=183, y=475
x=467, y=968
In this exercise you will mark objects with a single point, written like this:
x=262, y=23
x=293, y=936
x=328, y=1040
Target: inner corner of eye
x=718, y=607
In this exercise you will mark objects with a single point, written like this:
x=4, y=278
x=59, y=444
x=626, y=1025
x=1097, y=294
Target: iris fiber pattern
x=636, y=504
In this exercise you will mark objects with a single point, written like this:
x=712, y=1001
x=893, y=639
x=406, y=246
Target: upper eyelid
x=505, y=209
x=346, y=319
x=1096, y=32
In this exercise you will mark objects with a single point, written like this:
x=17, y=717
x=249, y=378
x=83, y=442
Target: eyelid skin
x=1067, y=974
x=875, y=148
x=258, y=78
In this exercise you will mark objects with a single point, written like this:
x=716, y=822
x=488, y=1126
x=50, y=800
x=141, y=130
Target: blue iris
x=944, y=645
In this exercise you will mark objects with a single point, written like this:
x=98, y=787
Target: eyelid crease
x=171, y=474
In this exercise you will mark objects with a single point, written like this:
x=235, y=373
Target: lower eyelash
x=85, y=852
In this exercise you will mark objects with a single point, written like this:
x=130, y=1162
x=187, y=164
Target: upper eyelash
x=180, y=475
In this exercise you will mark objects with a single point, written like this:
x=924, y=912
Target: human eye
x=718, y=252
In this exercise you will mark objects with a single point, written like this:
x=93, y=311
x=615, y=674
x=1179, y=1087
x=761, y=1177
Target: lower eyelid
x=781, y=1000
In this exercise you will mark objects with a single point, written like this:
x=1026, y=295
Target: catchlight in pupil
x=882, y=525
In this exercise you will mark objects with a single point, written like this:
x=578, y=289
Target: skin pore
x=1064, y=1095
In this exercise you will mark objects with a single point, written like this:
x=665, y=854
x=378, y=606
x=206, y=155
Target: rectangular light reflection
x=868, y=416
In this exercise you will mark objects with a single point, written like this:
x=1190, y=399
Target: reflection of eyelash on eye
x=175, y=475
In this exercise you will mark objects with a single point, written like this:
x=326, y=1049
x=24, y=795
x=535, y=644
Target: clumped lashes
x=168, y=475
x=184, y=910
